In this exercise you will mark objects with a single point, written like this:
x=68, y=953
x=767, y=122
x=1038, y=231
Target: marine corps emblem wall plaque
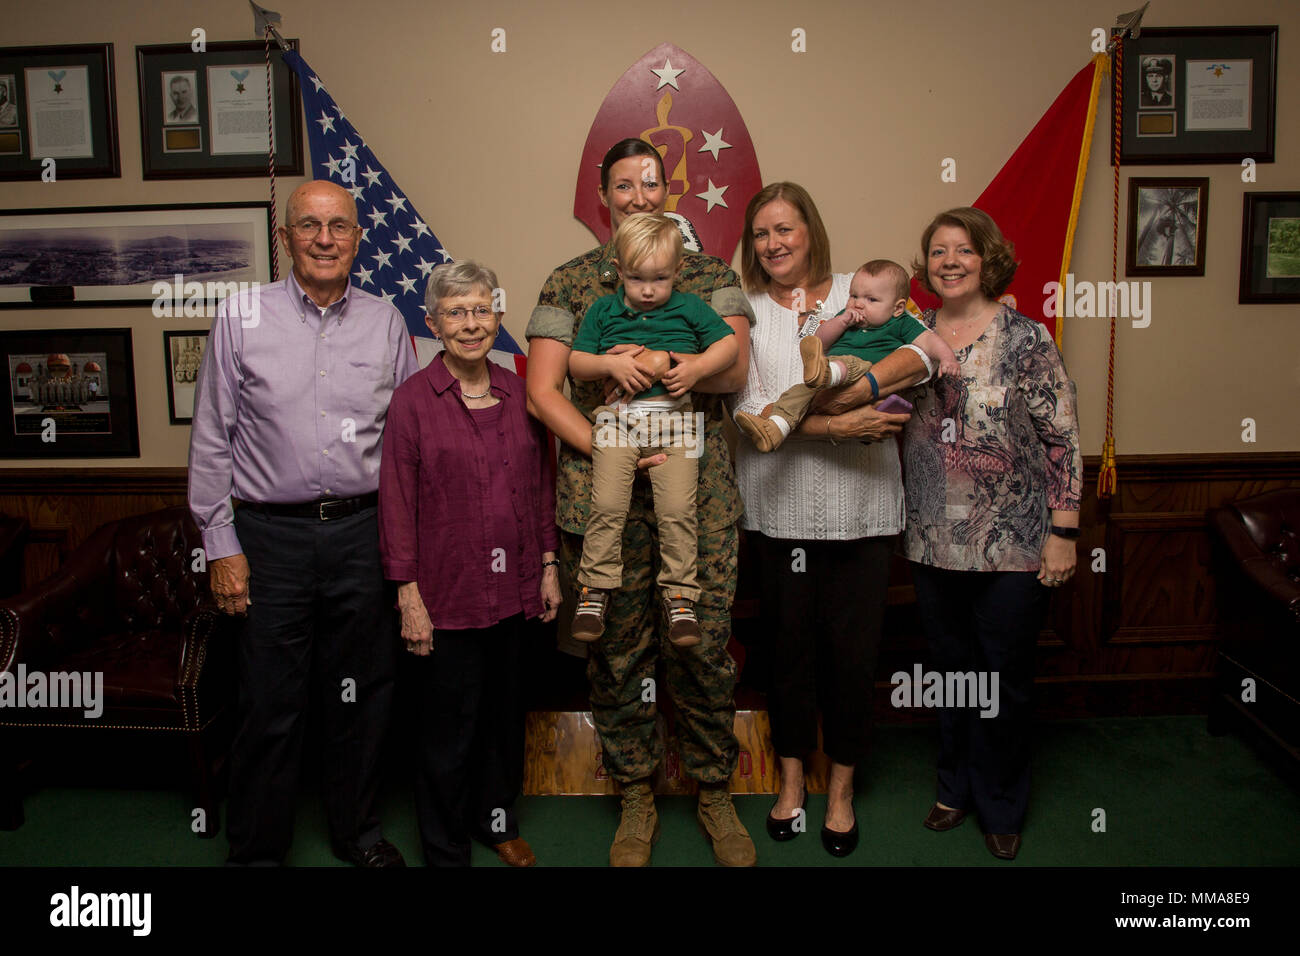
x=671, y=101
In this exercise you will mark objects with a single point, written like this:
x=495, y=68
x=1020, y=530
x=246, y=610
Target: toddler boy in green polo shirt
x=650, y=417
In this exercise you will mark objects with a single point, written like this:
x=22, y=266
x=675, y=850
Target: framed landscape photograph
x=120, y=255
x=1270, y=248
x=1199, y=95
x=204, y=115
x=58, y=103
x=69, y=393
x=1166, y=226
x=184, y=352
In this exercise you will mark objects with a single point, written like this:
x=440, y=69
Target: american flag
x=398, y=250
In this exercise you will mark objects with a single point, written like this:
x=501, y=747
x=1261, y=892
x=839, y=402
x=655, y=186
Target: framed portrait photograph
x=205, y=115
x=58, y=113
x=69, y=393
x=1166, y=226
x=132, y=255
x=184, y=352
x=1270, y=248
x=1199, y=95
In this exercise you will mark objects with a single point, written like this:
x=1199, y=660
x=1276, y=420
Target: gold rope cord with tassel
x=1107, y=475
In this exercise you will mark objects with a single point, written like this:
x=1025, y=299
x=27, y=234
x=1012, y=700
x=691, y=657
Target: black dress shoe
x=840, y=844
x=940, y=819
x=781, y=830
x=382, y=853
x=1004, y=846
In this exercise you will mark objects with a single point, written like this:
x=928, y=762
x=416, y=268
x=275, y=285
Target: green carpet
x=1172, y=796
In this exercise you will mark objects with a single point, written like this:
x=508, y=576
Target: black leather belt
x=323, y=509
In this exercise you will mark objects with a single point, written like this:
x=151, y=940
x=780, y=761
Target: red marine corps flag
x=1035, y=198
x=671, y=101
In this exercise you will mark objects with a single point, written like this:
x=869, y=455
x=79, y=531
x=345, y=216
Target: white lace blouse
x=811, y=490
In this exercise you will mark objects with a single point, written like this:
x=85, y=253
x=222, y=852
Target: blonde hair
x=646, y=234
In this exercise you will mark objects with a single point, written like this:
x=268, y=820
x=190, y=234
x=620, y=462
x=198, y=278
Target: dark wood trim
x=92, y=481
x=1261, y=466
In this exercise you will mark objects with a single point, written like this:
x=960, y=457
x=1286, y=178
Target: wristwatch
x=1062, y=532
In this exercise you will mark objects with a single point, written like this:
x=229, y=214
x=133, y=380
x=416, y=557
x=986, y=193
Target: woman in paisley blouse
x=992, y=479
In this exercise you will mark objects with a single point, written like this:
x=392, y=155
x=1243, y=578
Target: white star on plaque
x=667, y=75
x=713, y=196
x=713, y=143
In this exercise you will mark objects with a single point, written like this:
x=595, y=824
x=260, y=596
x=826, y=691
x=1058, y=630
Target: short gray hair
x=457, y=278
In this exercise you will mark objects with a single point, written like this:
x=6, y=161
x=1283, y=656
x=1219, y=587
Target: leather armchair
x=1257, y=577
x=13, y=539
x=126, y=605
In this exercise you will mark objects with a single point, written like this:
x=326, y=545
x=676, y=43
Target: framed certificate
x=207, y=115
x=57, y=113
x=1199, y=95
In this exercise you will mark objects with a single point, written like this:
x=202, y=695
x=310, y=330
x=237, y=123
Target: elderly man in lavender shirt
x=289, y=413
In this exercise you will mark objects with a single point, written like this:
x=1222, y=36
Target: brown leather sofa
x=1257, y=576
x=129, y=605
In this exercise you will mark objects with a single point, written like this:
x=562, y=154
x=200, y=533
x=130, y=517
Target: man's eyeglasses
x=310, y=229
x=481, y=312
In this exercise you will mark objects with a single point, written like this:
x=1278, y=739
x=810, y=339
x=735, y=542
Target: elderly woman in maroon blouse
x=467, y=528
x=991, y=475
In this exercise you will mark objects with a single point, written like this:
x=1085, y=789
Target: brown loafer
x=940, y=819
x=1004, y=846
x=515, y=852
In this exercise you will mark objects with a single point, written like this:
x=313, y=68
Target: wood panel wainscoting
x=1136, y=638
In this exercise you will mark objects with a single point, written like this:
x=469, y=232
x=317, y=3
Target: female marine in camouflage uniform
x=622, y=665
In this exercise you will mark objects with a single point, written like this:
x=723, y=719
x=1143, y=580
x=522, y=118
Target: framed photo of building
x=58, y=113
x=167, y=257
x=69, y=393
x=205, y=115
x=1166, y=226
x=1199, y=95
x=184, y=352
x=1270, y=248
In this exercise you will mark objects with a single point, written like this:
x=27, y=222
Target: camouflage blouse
x=986, y=456
x=565, y=298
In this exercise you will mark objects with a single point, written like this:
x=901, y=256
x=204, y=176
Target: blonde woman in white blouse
x=821, y=513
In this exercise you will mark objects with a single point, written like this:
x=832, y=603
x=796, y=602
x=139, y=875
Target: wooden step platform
x=563, y=757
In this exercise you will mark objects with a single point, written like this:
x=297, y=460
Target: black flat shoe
x=840, y=844
x=782, y=830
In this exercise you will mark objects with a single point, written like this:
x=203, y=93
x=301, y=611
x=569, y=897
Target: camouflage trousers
x=623, y=666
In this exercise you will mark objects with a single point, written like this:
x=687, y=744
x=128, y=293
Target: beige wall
x=486, y=147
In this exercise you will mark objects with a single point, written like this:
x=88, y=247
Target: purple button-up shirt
x=437, y=505
x=290, y=404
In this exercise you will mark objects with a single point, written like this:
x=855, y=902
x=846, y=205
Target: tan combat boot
x=717, y=815
x=638, y=830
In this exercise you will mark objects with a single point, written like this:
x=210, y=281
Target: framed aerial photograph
x=1166, y=227
x=1270, y=248
x=130, y=255
x=1199, y=95
x=184, y=352
x=204, y=115
x=58, y=103
x=69, y=393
